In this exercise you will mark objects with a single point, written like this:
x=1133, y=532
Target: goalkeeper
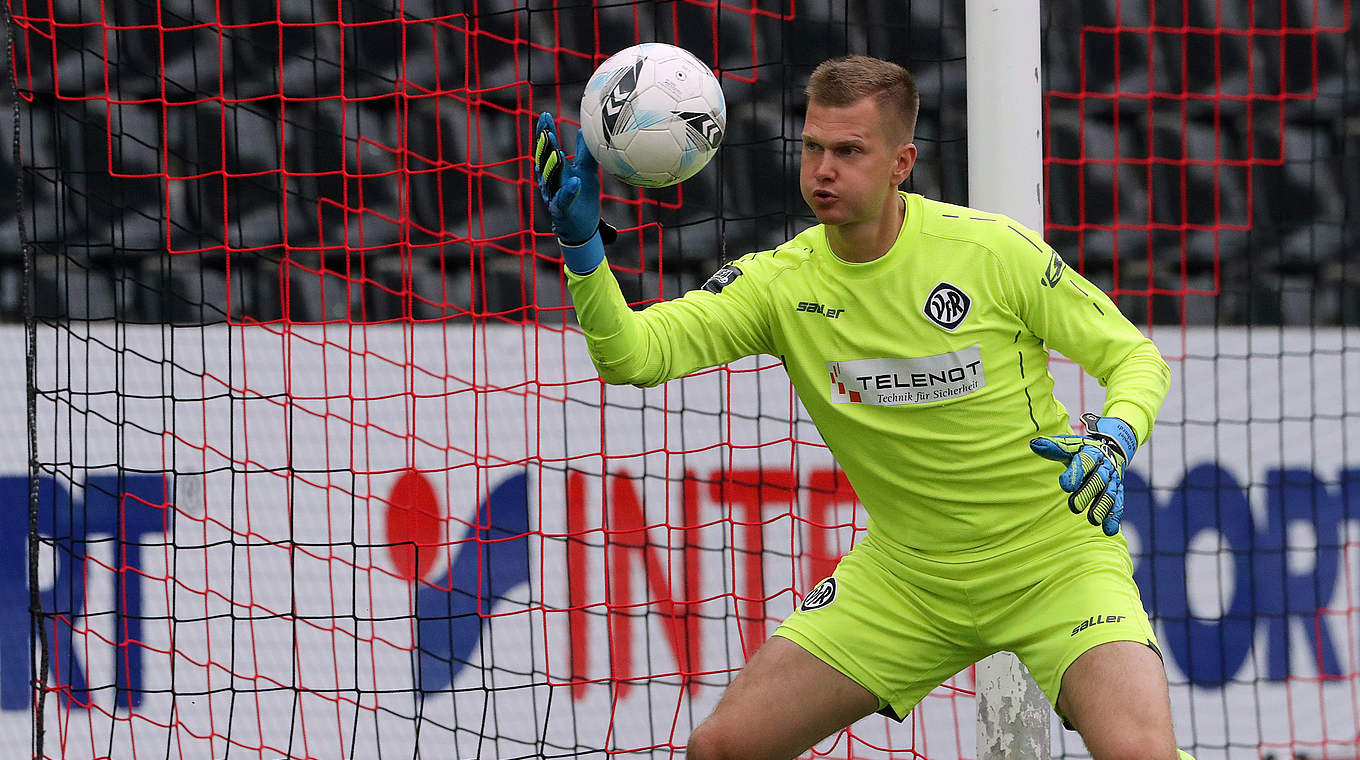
x=916, y=334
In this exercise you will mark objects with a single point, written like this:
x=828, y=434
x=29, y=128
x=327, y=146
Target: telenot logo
x=894, y=382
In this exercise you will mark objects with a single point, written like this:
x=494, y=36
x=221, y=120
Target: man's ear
x=904, y=159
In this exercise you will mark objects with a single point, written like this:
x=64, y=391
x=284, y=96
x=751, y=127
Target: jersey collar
x=911, y=225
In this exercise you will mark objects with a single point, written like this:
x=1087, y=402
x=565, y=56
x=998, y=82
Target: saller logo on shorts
x=894, y=382
x=821, y=596
x=1096, y=620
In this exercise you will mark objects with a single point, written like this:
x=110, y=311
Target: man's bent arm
x=1136, y=387
x=1073, y=316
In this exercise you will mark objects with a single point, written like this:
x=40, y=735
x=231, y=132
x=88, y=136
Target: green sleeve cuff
x=1135, y=415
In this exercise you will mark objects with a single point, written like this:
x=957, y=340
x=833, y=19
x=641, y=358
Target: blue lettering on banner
x=130, y=510
x=493, y=559
x=1265, y=591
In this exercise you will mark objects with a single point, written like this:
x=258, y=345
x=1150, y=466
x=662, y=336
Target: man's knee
x=725, y=740
x=1132, y=744
x=1134, y=751
x=708, y=743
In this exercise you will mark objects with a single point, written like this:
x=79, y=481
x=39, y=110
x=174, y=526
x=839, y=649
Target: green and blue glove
x=1094, y=477
x=572, y=192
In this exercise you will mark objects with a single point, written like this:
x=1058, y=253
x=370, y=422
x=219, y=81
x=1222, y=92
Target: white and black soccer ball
x=653, y=114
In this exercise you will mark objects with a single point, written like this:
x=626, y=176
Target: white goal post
x=1005, y=175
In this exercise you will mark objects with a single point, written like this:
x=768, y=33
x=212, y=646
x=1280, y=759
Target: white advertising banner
x=440, y=541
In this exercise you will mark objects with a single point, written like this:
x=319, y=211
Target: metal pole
x=1005, y=175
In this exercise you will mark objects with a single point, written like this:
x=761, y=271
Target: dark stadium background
x=100, y=242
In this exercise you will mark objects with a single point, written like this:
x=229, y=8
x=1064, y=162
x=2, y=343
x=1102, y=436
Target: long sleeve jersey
x=925, y=370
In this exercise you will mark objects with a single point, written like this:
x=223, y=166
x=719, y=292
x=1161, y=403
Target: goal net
x=316, y=465
x=1200, y=161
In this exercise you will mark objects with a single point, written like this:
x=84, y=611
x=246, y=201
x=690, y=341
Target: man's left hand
x=1095, y=467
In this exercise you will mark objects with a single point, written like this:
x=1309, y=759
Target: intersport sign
x=326, y=541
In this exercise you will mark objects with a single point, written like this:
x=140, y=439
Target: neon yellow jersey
x=925, y=370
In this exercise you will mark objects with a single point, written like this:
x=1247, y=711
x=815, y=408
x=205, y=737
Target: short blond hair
x=844, y=81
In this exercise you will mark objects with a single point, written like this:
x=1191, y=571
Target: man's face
x=849, y=165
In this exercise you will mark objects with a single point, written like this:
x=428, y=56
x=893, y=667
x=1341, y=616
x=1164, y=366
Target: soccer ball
x=653, y=115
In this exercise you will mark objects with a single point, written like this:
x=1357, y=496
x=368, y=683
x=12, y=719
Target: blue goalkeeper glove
x=1095, y=467
x=572, y=192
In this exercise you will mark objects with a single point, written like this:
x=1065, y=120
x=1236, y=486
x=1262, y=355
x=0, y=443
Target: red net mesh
x=322, y=469
x=371, y=499
x=1187, y=148
x=1159, y=136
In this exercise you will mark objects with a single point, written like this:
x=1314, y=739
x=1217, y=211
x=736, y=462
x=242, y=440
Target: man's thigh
x=1116, y=696
x=784, y=701
x=1065, y=600
x=896, y=625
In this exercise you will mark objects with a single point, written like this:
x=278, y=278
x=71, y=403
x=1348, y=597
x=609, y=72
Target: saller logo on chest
x=918, y=380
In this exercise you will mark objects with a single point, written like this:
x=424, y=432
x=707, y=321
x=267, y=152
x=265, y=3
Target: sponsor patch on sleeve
x=821, y=596
x=1053, y=274
x=722, y=278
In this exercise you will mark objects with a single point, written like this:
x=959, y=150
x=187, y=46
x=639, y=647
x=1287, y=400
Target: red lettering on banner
x=689, y=490
x=750, y=490
x=626, y=541
x=414, y=525
x=576, y=581
x=747, y=495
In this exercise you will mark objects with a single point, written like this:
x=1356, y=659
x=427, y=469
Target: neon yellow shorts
x=899, y=623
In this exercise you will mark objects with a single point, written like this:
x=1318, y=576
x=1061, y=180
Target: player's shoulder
x=791, y=253
x=948, y=220
x=762, y=267
x=980, y=231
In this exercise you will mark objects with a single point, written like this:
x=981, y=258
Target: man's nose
x=825, y=167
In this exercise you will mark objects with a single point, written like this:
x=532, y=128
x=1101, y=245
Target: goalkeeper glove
x=572, y=192
x=1095, y=467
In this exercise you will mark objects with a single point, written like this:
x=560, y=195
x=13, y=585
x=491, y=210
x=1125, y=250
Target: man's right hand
x=572, y=192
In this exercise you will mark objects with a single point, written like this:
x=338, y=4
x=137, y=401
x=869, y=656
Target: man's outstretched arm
x=704, y=328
